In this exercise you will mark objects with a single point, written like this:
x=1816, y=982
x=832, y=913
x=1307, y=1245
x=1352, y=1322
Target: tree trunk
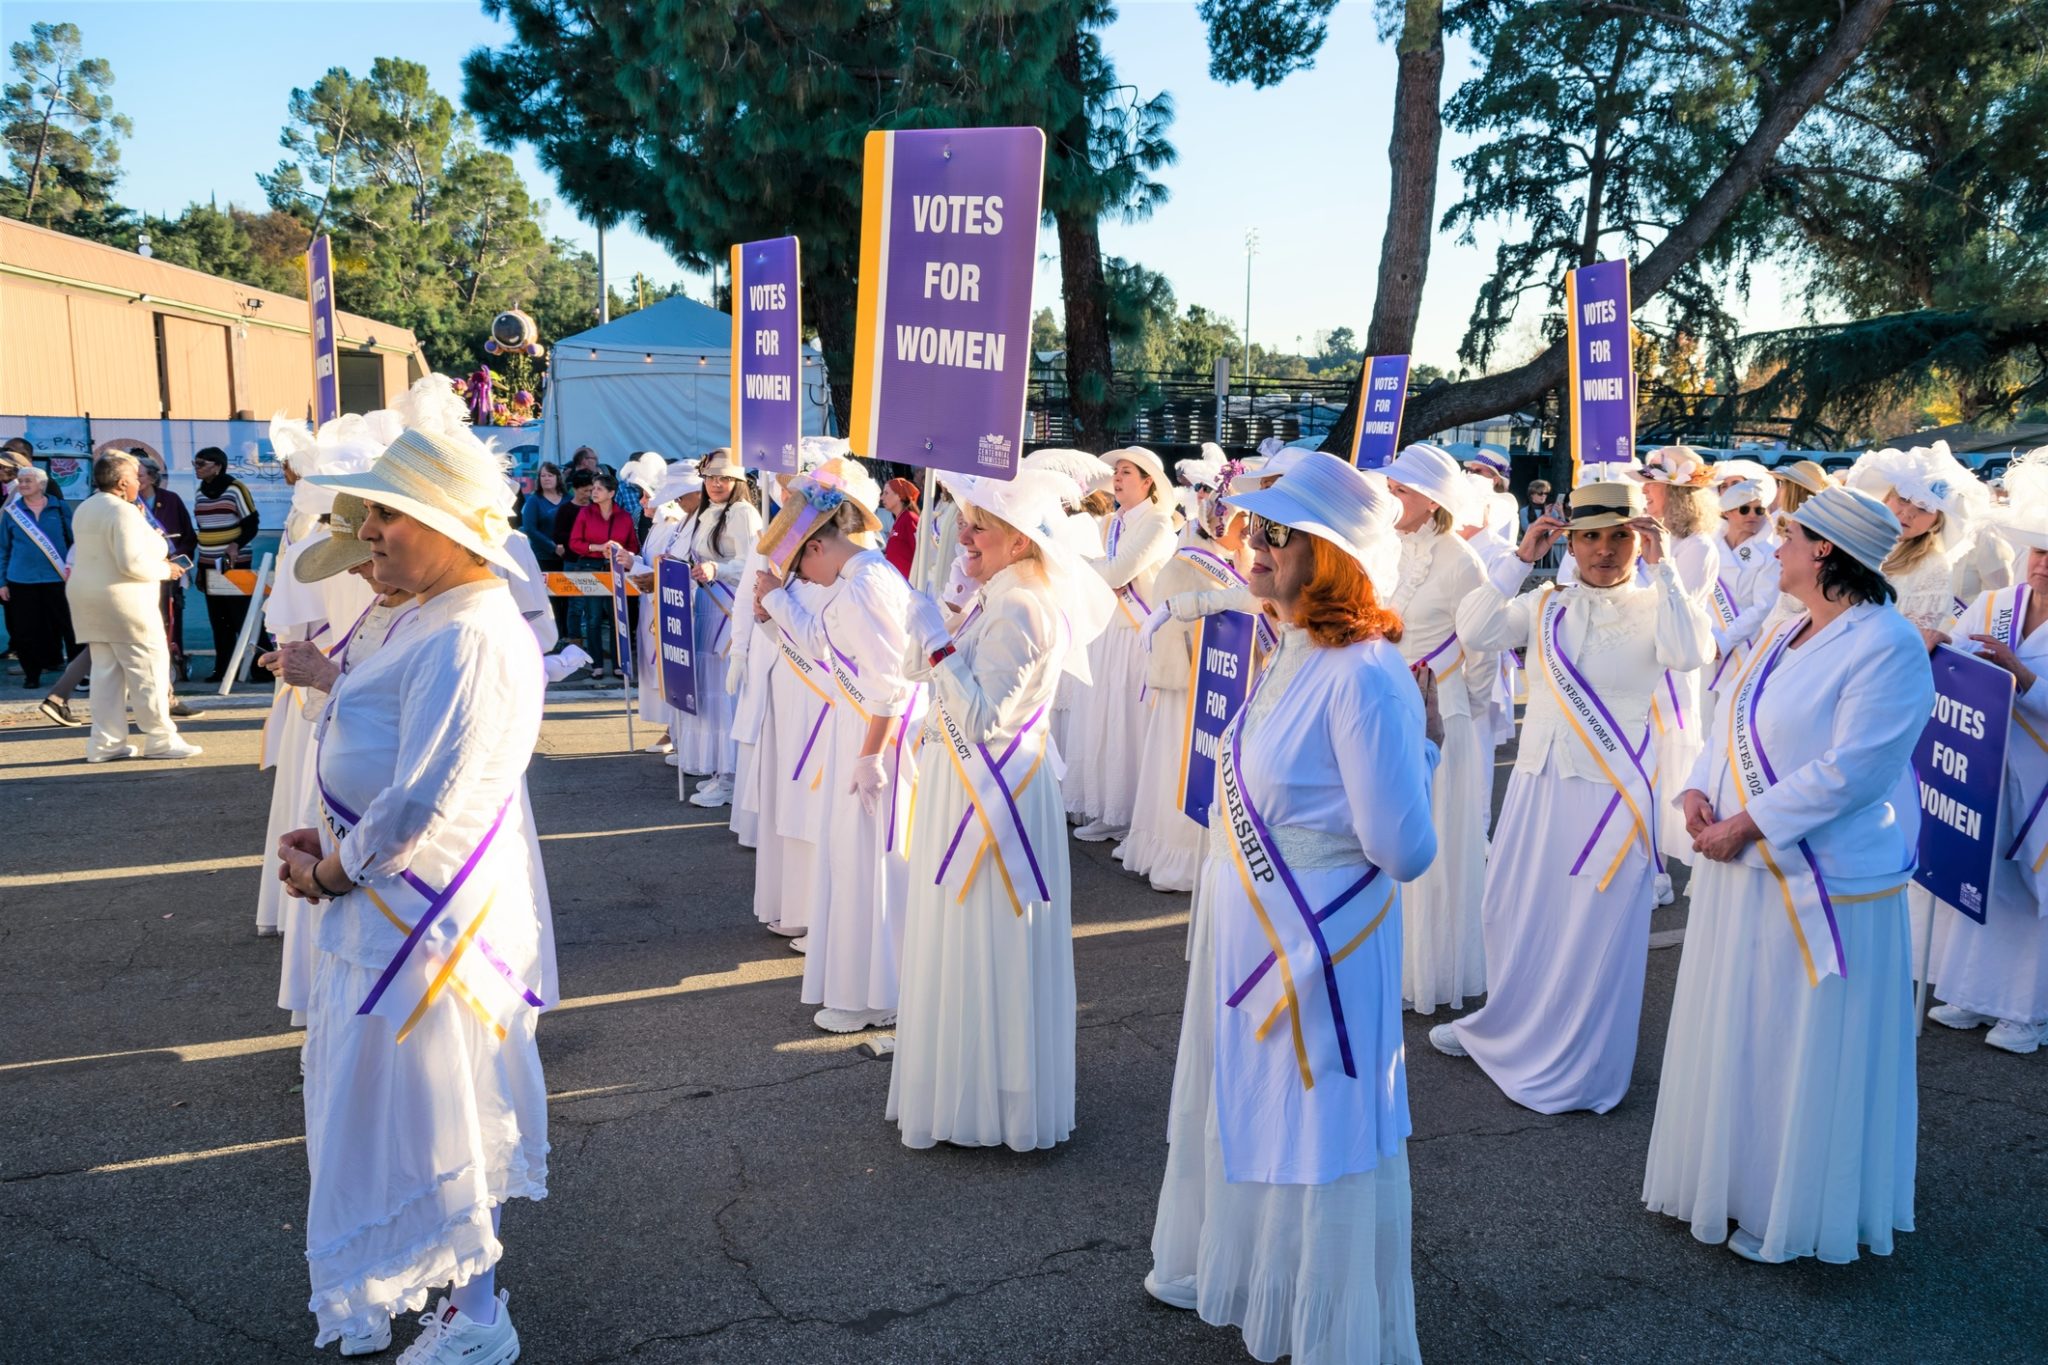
x=1411, y=208
x=35, y=173
x=1088, y=362
x=1494, y=394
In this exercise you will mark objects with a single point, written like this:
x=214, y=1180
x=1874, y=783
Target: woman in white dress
x=1139, y=541
x=1285, y=1207
x=825, y=536
x=1996, y=973
x=665, y=504
x=1787, y=1097
x=425, y=1105
x=1165, y=845
x=1086, y=473
x=985, y=1029
x=1444, y=954
x=1571, y=881
x=1075, y=704
x=717, y=540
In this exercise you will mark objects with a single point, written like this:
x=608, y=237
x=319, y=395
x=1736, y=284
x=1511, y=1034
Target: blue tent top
x=672, y=324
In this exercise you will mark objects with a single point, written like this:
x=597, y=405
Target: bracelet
x=940, y=654
x=322, y=886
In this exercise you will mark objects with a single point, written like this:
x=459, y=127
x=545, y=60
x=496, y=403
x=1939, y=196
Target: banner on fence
x=948, y=249
x=1382, y=394
x=673, y=634
x=1960, y=761
x=1222, y=674
x=1601, y=368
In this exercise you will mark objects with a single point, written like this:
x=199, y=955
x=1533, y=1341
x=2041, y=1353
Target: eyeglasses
x=1271, y=532
x=1755, y=509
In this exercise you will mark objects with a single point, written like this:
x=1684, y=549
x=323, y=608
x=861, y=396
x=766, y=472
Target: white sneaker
x=1666, y=894
x=269, y=931
x=2010, y=1035
x=1444, y=1038
x=177, y=748
x=717, y=792
x=1172, y=1293
x=369, y=1343
x=1750, y=1247
x=1099, y=832
x=786, y=931
x=1955, y=1016
x=113, y=755
x=660, y=746
x=800, y=944
x=852, y=1021
x=674, y=760
x=451, y=1337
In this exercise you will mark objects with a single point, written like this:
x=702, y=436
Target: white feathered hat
x=1930, y=478
x=2024, y=518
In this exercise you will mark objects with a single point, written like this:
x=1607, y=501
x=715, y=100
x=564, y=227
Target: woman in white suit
x=1787, y=1100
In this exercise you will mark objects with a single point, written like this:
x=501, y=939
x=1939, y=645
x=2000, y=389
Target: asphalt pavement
x=723, y=1184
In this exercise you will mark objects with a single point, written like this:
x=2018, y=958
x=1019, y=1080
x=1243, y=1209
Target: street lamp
x=1251, y=249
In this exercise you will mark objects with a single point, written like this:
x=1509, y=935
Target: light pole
x=1251, y=249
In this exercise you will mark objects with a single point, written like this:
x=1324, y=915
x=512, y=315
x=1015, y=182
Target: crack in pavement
x=1421, y=1257
x=697, y=1091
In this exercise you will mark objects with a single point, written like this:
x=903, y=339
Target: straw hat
x=1035, y=504
x=1334, y=500
x=1854, y=522
x=721, y=464
x=1677, y=466
x=1803, y=474
x=1153, y=467
x=811, y=500
x=1598, y=505
x=450, y=483
x=341, y=550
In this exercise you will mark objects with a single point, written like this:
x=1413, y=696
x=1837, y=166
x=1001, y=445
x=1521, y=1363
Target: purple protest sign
x=622, y=627
x=949, y=234
x=1960, y=760
x=674, y=635
x=1382, y=394
x=1602, y=370
x=326, y=336
x=767, y=354
x=1222, y=675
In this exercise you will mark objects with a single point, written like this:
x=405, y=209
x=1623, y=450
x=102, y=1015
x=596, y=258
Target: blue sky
x=206, y=82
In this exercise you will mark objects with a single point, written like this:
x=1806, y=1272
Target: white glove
x=959, y=589
x=1161, y=614
x=927, y=624
x=869, y=781
x=560, y=666
x=735, y=669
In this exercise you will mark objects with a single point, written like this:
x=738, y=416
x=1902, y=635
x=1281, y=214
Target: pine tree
x=62, y=134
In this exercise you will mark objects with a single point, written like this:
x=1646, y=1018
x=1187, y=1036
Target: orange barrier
x=569, y=583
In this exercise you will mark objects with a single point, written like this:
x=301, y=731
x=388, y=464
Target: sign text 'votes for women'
x=767, y=354
x=674, y=634
x=949, y=232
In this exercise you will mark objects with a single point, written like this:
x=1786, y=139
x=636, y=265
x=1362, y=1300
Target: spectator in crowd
x=600, y=524
x=537, y=517
x=899, y=499
x=1538, y=507
x=35, y=538
x=118, y=569
x=12, y=462
x=635, y=486
x=224, y=515
x=167, y=512
x=582, y=483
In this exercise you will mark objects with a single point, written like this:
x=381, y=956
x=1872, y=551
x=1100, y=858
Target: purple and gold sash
x=807, y=671
x=993, y=786
x=1619, y=761
x=720, y=597
x=1128, y=593
x=1725, y=613
x=2005, y=618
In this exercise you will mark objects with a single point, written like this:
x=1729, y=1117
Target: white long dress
x=1164, y=845
x=412, y=1143
x=1073, y=710
x=1444, y=950
x=753, y=659
x=704, y=742
x=662, y=541
x=1678, y=713
x=1289, y=1207
x=790, y=769
x=856, y=912
x=1565, y=957
x=985, y=1026
x=1787, y=1097
x=2000, y=968
x=1107, y=743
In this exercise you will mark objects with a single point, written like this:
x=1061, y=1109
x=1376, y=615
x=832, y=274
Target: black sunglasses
x=1272, y=532
x=1753, y=510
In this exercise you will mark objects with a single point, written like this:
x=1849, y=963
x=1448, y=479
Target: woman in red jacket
x=899, y=497
x=600, y=523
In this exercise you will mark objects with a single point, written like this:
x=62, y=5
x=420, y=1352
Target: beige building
x=91, y=330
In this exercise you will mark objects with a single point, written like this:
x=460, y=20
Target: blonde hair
x=989, y=521
x=1441, y=521
x=1907, y=554
x=1100, y=503
x=1690, y=512
x=1791, y=495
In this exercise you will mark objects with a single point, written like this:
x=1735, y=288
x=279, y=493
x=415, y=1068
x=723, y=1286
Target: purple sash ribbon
x=1635, y=756
x=995, y=766
x=1756, y=738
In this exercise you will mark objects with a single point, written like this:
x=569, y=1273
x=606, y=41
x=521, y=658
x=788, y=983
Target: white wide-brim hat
x=1747, y=491
x=1747, y=471
x=450, y=483
x=1433, y=472
x=1854, y=522
x=1336, y=501
x=1154, y=467
x=1265, y=472
x=678, y=481
x=2023, y=520
x=645, y=471
x=1085, y=471
x=1035, y=503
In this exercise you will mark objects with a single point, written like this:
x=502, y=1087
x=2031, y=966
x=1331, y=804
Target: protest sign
x=948, y=243
x=1382, y=394
x=320, y=301
x=1602, y=370
x=767, y=354
x=1960, y=760
x=674, y=636
x=1222, y=673
x=622, y=627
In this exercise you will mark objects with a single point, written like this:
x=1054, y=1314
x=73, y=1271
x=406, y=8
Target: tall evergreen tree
x=62, y=134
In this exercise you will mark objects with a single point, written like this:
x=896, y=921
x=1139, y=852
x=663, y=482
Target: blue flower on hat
x=1938, y=489
x=824, y=499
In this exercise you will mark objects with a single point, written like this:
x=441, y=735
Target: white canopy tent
x=657, y=379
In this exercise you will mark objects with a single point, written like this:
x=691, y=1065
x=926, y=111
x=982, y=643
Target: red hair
x=904, y=489
x=1338, y=606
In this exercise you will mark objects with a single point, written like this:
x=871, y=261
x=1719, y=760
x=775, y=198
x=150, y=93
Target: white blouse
x=1438, y=571
x=1006, y=662
x=728, y=549
x=1144, y=537
x=865, y=623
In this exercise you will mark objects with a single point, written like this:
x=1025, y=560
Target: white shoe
x=452, y=1337
x=1955, y=1016
x=369, y=1343
x=2010, y=1035
x=113, y=755
x=1749, y=1247
x=1099, y=832
x=1444, y=1038
x=1172, y=1293
x=882, y=1044
x=177, y=748
x=269, y=931
x=1666, y=894
x=852, y=1021
x=660, y=746
x=717, y=792
x=786, y=931
x=674, y=760
x=801, y=944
